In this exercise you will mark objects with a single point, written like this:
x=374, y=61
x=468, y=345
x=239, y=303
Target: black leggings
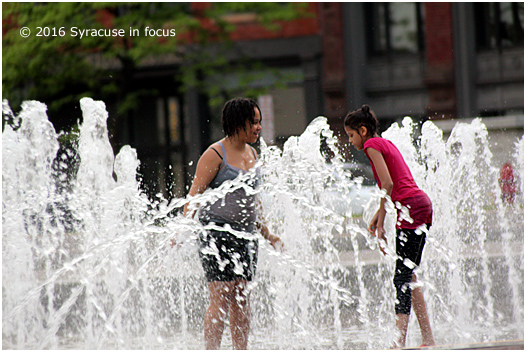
x=409, y=247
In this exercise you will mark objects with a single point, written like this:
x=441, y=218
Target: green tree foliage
x=58, y=67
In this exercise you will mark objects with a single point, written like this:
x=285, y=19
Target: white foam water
x=87, y=260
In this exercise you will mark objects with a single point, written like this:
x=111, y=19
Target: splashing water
x=87, y=261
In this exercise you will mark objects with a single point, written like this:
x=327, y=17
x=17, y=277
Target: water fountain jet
x=90, y=265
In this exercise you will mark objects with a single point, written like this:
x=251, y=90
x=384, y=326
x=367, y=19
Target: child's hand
x=377, y=230
x=373, y=225
x=382, y=240
x=372, y=229
x=275, y=241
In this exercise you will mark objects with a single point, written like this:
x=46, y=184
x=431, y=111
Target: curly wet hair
x=235, y=114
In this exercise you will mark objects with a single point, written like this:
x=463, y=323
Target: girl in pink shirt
x=414, y=217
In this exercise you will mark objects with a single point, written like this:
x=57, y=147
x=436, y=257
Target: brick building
x=438, y=61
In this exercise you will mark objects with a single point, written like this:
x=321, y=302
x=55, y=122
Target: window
x=499, y=25
x=394, y=28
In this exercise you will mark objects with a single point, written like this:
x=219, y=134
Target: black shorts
x=227, y=257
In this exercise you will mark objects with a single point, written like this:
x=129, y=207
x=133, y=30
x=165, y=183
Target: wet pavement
x=495, y=345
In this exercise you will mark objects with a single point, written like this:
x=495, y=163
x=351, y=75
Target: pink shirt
x=404, y=189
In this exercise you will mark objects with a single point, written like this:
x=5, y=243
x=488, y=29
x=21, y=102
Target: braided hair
x=363, y=117
x=235, y=114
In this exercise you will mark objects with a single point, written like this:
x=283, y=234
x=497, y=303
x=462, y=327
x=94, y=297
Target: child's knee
x=402, y=282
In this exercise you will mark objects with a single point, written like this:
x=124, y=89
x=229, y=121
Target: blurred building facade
x=440, y=61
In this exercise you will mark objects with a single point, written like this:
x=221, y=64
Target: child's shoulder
x=383, y=145
x=375, y=141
